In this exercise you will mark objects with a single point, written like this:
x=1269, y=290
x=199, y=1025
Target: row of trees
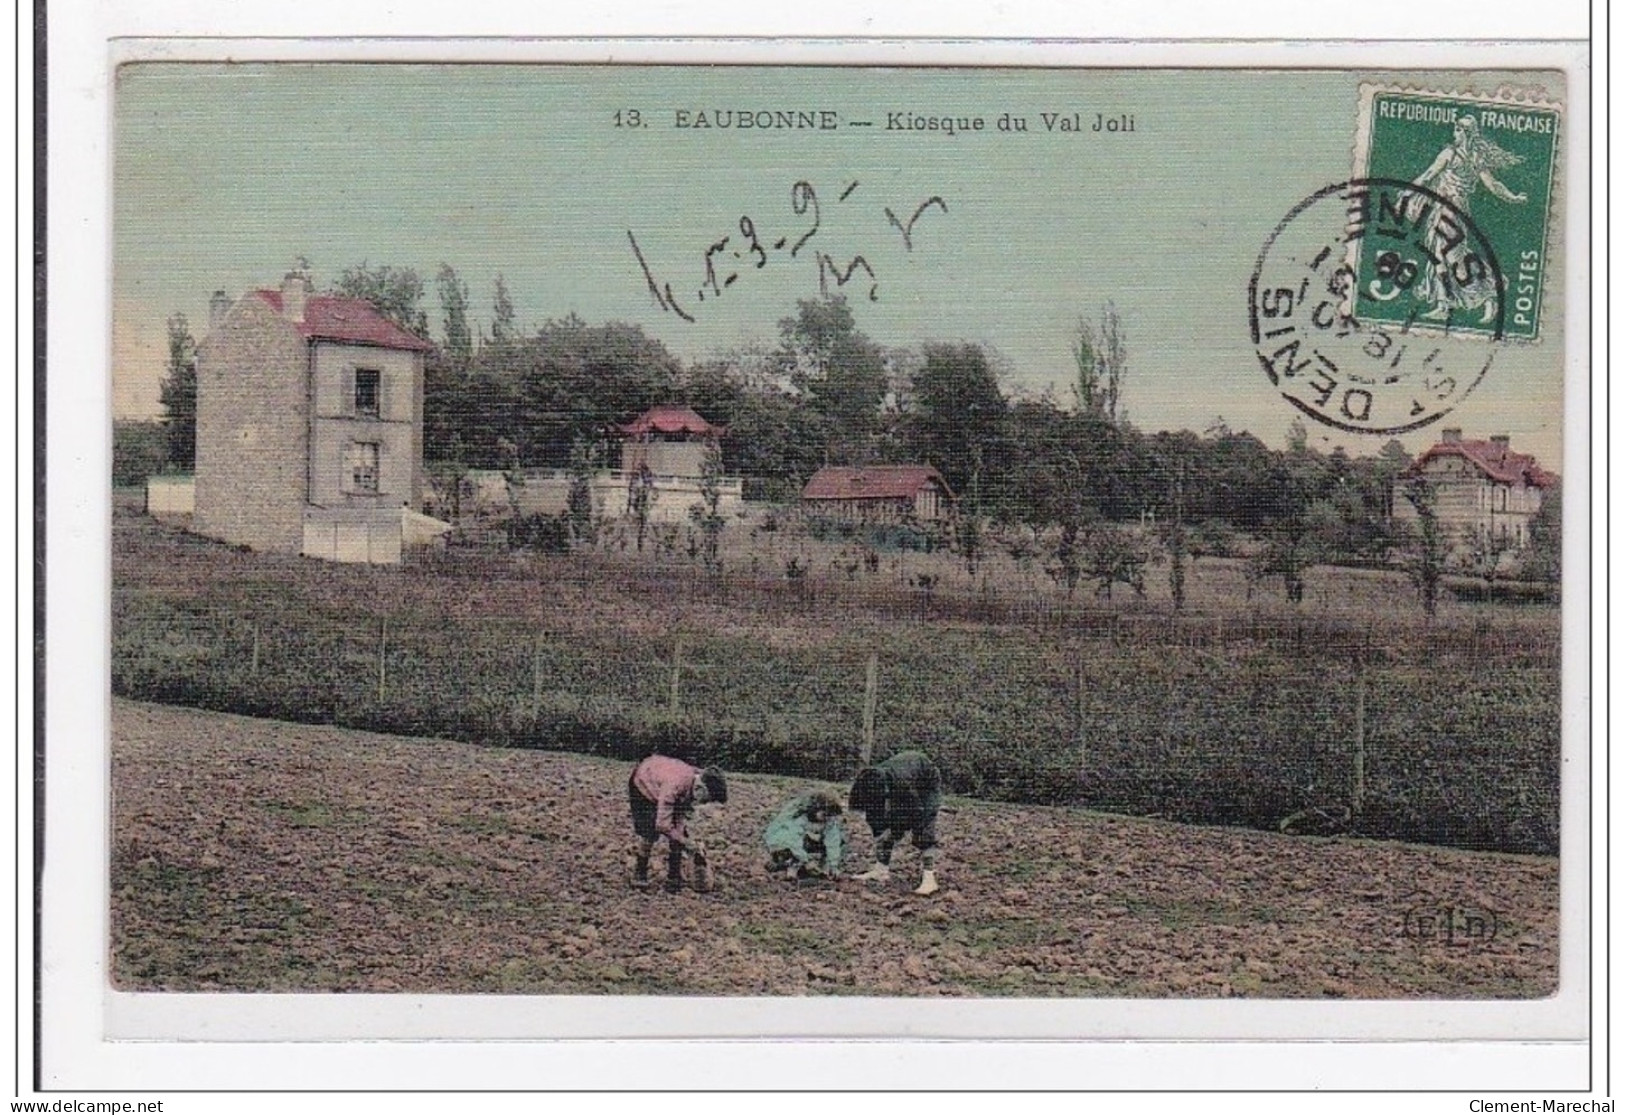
x=507, y=397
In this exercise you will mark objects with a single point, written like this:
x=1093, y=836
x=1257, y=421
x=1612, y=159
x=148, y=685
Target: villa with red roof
x=879, y=493
x=309, y=426
x=1481, y=487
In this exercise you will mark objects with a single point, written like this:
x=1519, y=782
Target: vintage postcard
x=962, y=550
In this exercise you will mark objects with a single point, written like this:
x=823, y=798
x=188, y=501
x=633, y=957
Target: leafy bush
x=546, y=534
x=138, y=452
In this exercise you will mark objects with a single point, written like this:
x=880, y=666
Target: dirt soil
x=262, y=856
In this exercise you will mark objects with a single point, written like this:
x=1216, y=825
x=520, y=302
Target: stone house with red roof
x=309, y=426
x=879, y=493
x=1481, y=487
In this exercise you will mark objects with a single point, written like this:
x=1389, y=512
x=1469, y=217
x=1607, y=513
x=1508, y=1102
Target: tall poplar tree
x=178, y=395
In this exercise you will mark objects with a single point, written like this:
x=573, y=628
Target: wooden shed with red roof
x=879, y=493
x=1481, y=486
x=309, y=425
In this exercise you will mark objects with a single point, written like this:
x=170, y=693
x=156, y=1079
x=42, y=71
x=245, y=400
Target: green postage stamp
x=1484, y=165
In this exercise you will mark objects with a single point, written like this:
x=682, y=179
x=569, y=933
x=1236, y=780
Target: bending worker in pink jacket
x=663, y=792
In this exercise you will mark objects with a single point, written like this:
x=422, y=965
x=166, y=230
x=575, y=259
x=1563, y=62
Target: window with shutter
x=368, y=392
x=347, y=393
x=361, y=466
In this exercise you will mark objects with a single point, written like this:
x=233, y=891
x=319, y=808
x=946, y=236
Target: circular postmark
x=1375, y=241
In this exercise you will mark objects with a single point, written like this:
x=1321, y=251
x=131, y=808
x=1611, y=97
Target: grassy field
x=1244, y=711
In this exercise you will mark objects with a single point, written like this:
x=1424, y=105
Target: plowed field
x=255, y=855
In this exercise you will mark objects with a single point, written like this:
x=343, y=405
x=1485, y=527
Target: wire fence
x=1346, y=611
x=1447, y=733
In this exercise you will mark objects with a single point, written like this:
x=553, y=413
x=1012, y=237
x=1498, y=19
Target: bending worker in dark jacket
x=900, y=797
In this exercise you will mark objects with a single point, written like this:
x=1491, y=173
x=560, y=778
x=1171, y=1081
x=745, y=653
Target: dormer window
x=366, y=392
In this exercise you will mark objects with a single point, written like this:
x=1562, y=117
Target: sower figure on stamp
x=1469, y=161
x=806, y=836
x=663, y=792
x=900, y=797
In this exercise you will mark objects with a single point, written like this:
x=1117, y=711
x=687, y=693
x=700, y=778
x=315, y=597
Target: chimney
x=1503, y=442
x=1451, y=436
x=295, y=289
x=219, y=307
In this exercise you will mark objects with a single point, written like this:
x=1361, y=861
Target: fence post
x=254, y=654
x=1357, y=793
x=332, y=648
x=871, y=692
x=383, y=651
x=676, y=673
x=1077, y=713
x=536, y=671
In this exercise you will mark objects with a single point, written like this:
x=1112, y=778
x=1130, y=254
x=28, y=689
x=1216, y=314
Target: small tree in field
x=451, y=476
x=640, y=498
x=970, y=524
x=707, y=514
x=1065, y=564
x=1483, y=554
x=1287, y=554
x=968, y=532
x=1110, y=556
x=1426, y=562
x=579, y=509
x=1175, y=540
x=1544, y=561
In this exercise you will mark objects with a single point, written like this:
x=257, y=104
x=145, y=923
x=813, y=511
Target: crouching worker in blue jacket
x=900, y=797
x=806, y=836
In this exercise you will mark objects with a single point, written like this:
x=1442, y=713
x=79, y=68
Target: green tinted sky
x=224, y=174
